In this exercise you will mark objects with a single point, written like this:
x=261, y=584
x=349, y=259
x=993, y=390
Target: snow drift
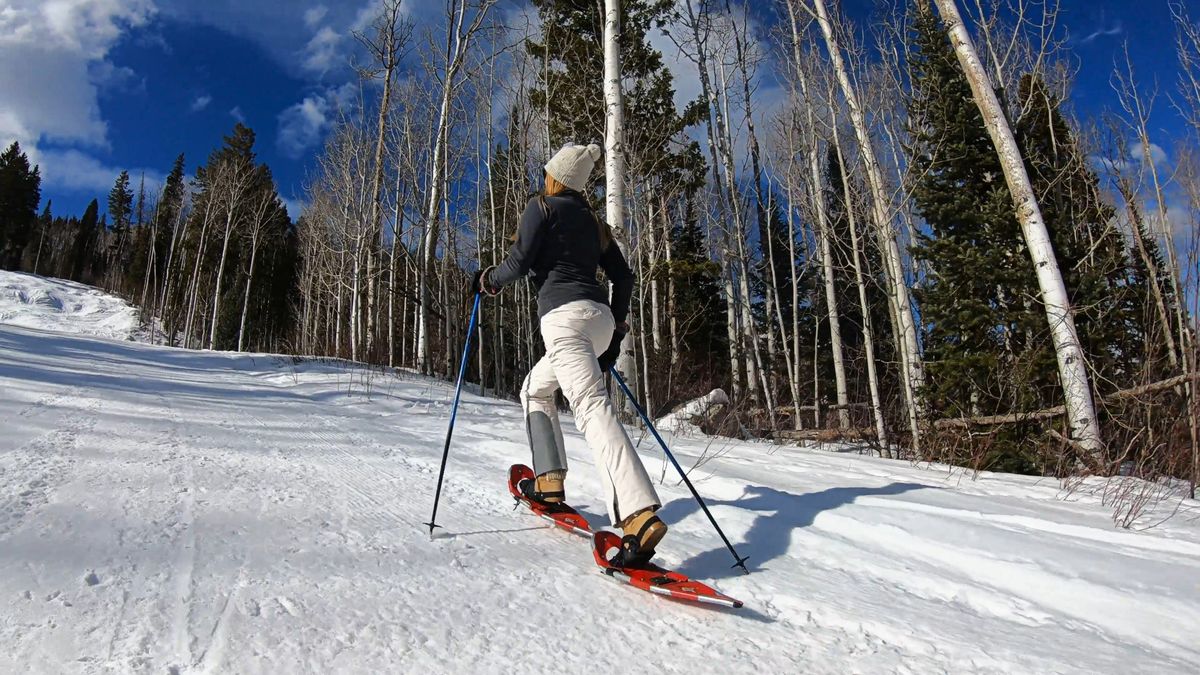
x=64, y=306
x=164, y=510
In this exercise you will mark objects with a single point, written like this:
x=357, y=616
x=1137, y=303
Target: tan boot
x=548, y=488
x=643, y=530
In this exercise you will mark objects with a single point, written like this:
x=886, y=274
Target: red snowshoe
x=606, y=544
x=561, y=515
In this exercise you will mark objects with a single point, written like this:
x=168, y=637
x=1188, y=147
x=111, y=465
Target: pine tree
x=1147, y=352
x=665, y=166
x=41, y=240
x=86, y=237
x=699, y=304
x=571, y=89
x=120, y=211
x=240, y=234
x=20, y=193
x=572, y=86
x=849, y=304
x=970, y=303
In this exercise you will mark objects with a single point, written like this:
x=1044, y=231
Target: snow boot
x=547, y=488
x=643, y=530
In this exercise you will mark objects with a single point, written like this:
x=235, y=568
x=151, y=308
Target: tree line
x=210, y=260
x=919, y=245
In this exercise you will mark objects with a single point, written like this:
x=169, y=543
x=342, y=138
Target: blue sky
x=96, y=86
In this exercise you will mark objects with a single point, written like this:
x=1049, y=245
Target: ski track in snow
x=184, y=512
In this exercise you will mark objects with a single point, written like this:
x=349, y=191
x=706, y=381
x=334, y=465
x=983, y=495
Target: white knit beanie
x=572, y=165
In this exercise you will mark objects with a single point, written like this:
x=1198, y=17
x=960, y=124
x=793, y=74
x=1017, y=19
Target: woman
x=560, y=243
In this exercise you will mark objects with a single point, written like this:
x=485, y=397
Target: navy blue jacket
x=558, y=246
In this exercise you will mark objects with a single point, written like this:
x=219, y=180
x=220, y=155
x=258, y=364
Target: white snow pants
x=574, y=334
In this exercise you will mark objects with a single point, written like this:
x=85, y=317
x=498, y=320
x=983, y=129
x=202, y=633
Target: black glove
x=609, y=358
x=479, y=283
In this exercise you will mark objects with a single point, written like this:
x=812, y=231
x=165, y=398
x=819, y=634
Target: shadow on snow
x=770, y=533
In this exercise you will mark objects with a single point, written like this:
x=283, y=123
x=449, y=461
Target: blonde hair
x=554, y=187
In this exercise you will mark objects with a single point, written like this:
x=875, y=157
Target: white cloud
x=56, y=102
x=77, y=171
x=1104, y=31
x=313, y=15
x=295, y=206
x=305, y=42
x=1134, y=157
x=323, y=51
x=1158, y=156
x=237, y=114
x=201, y=103
x=303, y=125
x=108, y=75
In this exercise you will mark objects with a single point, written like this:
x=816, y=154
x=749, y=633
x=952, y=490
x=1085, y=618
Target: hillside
x=64, y=306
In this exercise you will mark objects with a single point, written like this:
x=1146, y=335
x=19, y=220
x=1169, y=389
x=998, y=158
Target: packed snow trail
x=164, y=510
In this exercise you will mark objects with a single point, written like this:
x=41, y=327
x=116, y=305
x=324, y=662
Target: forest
x=921, y=247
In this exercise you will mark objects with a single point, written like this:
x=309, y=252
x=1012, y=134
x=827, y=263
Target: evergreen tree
x=235, y=163
x=571, y=89
x=849, y=303
x=86, y=237
x=1147, y=347
x=42, y=239
x=988, y=347
x=973, y=240
x=120, y=211
x=986, y=339
x=699, y=304
x=167, y=213
x=20, y=193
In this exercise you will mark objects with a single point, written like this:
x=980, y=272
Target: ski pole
x=741, y=562
x=462, y=372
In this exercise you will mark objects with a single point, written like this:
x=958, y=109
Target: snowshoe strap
x=534, y=495
x=630, y=554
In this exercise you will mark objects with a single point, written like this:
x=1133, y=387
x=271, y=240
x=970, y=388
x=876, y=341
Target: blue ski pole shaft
x=741, y=562
x=462, y=373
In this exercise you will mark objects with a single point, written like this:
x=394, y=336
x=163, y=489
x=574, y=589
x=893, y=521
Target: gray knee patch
x=543, y=440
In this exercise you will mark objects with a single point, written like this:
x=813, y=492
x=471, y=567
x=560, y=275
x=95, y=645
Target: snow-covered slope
x=65, y=306
x=164, y=510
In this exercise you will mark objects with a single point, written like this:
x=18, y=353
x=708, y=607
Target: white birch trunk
x=1072, y=368
x=673, y=321
x=457, y=41
x=246, y=297
x=817, y=194
x=731, y=327
x=860, y=281
x=216, y=308
x=900, y=300
x=614, y=161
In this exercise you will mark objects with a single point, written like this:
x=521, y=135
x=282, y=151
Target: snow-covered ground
x=164, y=510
